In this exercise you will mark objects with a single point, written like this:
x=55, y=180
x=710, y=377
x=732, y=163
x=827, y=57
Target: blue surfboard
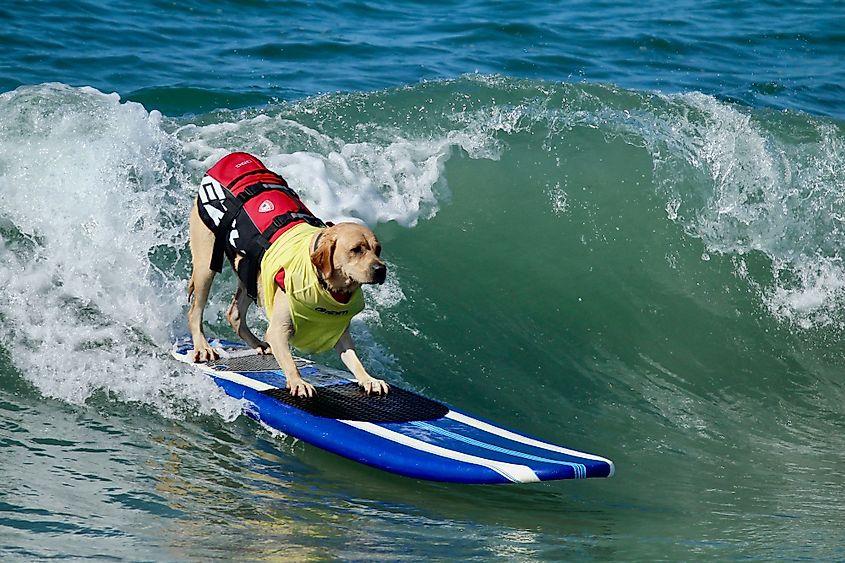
x=401, y=432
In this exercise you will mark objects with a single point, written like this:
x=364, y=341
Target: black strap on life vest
x=233, y=207
x=250, y=264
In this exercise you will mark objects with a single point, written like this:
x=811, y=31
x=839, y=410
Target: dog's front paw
x=301, y=388
x=263, y=349
x=373, y=385
x=204, y=354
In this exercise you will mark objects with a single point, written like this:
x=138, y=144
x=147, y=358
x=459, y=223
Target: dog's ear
x=322, y=255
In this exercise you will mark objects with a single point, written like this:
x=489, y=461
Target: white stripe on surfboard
x=511, y=471
x=235, y=377
x=489, y=428
x=579, y=469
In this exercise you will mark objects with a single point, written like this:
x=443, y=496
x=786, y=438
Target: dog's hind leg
x=202, y=245
x=236, y=315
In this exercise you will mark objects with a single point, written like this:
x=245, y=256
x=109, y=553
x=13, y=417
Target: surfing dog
x=305, y=273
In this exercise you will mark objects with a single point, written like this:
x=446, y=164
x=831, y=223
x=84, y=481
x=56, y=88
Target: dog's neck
x=345, y=286
x=340, y=294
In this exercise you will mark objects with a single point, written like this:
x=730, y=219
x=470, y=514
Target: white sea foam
x=743, y=186
x=84, y=194
x=398, y=180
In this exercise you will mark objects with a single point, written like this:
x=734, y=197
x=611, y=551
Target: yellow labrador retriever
x=306, y=274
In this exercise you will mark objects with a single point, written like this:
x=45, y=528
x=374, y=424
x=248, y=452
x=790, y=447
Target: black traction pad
x=254, y=362
x=348, y=401
x=344, y=401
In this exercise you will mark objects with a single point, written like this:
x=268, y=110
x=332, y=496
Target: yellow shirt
x=318, y=319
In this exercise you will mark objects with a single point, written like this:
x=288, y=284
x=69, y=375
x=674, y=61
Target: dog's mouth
x=376, y=274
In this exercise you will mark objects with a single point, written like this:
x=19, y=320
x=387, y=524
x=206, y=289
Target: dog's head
x=347, y=255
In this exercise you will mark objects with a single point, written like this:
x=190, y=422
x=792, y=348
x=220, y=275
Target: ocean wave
x=94, y=195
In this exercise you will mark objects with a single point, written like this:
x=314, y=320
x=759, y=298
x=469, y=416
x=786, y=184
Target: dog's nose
x=379, y=273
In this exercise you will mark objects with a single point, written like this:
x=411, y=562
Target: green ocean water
x=652, y=276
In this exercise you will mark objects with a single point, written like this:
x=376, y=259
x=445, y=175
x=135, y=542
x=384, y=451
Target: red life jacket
x=247, y=207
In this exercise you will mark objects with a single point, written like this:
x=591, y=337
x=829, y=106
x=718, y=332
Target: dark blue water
x=616, y=226
x=194, y=56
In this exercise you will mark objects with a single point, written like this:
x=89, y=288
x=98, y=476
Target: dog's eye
x=358, y=249
x=378, y=250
